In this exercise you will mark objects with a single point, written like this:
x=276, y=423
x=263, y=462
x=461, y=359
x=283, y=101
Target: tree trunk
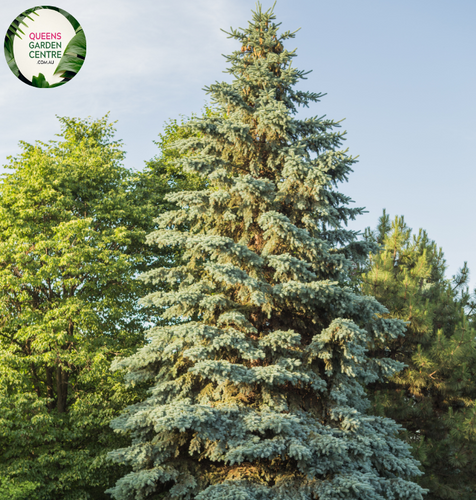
x=34, y=378
x=49, y=388
x=61, y=389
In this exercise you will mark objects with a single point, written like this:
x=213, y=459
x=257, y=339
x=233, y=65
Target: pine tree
x=434, y=397
x=258, y=391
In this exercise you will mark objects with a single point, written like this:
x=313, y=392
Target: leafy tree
x=74, y=189
x=72, y=229
x=163, y=175
x=258, y=386
x=434, y=398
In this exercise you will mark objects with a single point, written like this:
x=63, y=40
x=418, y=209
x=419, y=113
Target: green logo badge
x=45, y=46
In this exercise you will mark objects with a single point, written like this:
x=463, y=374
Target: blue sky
x=402, y=74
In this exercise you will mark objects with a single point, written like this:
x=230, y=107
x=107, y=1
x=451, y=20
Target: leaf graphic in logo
x=15, y=30
x=40, y=81
x=73, y=56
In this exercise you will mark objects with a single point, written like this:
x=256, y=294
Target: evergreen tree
x=434, y=398
x=258, y=382
x=162, y=176
x=72, y=231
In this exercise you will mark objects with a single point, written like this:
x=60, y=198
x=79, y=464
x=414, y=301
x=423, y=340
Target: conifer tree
x=258, y=382
x=161, y=176
x=434, y=397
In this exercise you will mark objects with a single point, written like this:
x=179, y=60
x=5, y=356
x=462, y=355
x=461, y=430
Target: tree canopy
x=72, y=228
x=257, y=382
x=434, y=397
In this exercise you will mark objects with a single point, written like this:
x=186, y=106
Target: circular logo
x=45, y=47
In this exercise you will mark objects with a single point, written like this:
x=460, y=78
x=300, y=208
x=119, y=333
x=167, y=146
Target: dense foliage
x=72, y=232
x=258, y=380
x=161, y=176
x=287, y=362
x=434, y=398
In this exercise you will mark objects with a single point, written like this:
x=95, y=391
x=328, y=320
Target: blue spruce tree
x=257, y=393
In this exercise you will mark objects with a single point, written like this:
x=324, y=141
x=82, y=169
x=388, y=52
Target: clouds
x=154, y=42
x=401, y=73
x=146, y=61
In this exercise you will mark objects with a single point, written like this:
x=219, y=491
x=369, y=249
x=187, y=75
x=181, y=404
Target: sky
x=401, y=73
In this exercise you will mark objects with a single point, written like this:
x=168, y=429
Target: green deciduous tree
x=434, y=398
x=72, y=229
x=258, y=386
x=162, y=176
